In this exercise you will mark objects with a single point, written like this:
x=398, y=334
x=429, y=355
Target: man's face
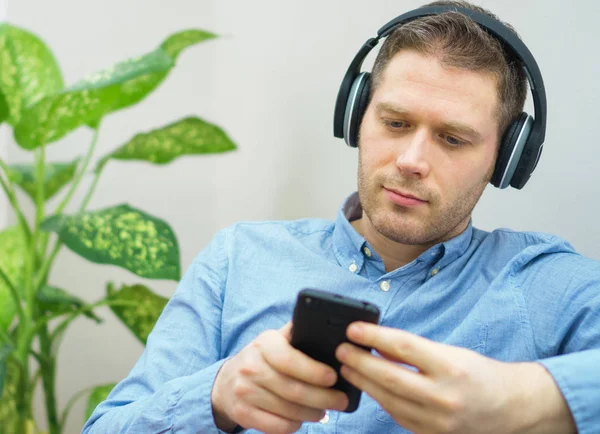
x=429, y=132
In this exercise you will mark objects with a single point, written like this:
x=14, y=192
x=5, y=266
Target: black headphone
x=523, y=140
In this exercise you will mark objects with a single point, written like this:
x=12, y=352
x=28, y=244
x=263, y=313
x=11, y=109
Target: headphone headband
x=510, y=42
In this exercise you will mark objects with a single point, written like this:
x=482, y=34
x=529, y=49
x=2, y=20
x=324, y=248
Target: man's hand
x=272, y=387
x=455, y=390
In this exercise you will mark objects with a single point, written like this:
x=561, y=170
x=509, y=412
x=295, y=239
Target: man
x=480, y=332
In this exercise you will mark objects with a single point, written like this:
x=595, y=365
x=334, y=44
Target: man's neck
x=394, y=254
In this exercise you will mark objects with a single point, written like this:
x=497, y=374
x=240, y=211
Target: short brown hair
x=458, y=41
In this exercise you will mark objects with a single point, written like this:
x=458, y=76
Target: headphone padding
x=360, y=108
x=507, y=145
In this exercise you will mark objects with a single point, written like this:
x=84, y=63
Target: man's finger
x=408, y=414
x=269, y=401
x=302, y=393
x=265, y=421
x=428, y=356
x=290, y=361
x=397, y=380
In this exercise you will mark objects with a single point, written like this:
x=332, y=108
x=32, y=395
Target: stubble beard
x=408, y=225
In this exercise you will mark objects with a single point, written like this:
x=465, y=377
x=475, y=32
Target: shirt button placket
x=385, y=285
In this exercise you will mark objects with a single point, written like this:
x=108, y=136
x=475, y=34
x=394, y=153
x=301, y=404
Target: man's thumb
x=286, y=331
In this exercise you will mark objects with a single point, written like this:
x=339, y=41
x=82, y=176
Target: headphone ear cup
x=511, y=147
x=356, y=107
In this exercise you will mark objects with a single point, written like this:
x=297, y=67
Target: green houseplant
x=40, y=110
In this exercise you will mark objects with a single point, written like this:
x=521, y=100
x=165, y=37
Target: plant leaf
x=58, y=300
x=188, y=136
x=136, y=89
x=13, y=250
x=179, y=41
x=8, y=402
x=97, y=395
x=141, y=317
x=28, y=70
x=88, y=101
x=122, y=236
x=4, y=109
x=57, y=175
x=85, y=102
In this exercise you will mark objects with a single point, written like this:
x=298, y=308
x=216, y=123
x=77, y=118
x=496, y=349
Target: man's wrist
x=221, y=420
x=537, y=405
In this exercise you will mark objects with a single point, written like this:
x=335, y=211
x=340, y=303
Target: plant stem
x=75, y=183
x=88, y=196
x=31, y=390
x=14, y=294
x=67, y=410
x=26, y=336
x=5, y=337
x=12, y=198
x=80, y=174
x=48, y=370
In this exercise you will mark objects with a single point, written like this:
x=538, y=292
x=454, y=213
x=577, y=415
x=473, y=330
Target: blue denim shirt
x=512, y=296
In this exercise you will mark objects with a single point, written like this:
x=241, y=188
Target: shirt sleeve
x=567, y=330
x=169, y=388
x=578, y=378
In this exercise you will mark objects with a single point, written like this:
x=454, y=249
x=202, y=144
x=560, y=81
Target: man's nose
x=413, y=153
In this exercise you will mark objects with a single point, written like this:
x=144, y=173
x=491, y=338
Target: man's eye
x=453, y=141
x=395, y=124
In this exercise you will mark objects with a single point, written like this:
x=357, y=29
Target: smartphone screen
x=319, y=326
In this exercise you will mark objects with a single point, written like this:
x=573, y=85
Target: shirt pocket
x=473, y=341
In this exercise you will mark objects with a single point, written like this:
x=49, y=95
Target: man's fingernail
x=356, y=330
x=330, y=377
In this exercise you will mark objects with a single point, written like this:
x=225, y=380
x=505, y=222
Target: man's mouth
x=402, y=198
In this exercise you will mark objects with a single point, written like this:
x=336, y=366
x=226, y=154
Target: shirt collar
x=349, y=245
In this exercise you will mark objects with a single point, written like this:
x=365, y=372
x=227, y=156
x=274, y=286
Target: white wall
x=272, y=84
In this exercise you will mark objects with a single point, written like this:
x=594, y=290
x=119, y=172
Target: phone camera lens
x=307, y=300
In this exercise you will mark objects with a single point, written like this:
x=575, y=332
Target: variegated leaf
x=56, y=175
x=122, y=236
x=179, y=41
x=13, y=251
x=57, y=300
x=86, y=102
x=28, y=70
x=141, y=317
x=118, y=87
x=97, y=395
x=190, y=136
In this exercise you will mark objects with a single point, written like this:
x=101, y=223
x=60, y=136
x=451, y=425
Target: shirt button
x=385, y=285
x=367, y=252
x=325, y=418
x=353, y=268
x=434, y=272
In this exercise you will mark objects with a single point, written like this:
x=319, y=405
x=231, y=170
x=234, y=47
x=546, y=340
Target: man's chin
x=408, y=229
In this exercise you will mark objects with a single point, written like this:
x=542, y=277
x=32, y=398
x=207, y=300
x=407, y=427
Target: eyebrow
x=449, y=125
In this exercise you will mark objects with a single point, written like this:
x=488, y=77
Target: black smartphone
x=319, y=326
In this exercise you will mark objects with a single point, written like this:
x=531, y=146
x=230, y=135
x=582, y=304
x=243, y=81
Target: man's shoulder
x=521, y=239
x=530, y=248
